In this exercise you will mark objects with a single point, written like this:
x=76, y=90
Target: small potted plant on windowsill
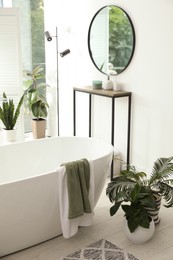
x=9, y=116
x=35, y=101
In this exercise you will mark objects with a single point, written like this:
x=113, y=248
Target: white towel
x=70, y=226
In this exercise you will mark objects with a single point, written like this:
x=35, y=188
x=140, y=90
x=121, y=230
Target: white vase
x=140, y=235
x=9, y=135
x=108, y=84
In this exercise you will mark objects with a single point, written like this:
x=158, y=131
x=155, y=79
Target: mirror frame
x=133, y=32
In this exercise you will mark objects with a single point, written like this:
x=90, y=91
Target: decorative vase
x=9, y=135
x=97, y=84
x=108, y=84
x=38, y=128
x=140, y=235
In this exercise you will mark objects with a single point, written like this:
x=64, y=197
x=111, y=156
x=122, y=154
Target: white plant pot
x=9, y=135
x=140, y=235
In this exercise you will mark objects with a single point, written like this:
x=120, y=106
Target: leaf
x=167, y=192
x=17, y=112
x=119, y=184
x=148, y=202
x=27, y=84
x=129, y=210
x=132, y=224
x=162, y=169
x=135, y=192
x=39, y=109
x=37, y=70
x=143, y=219
x=33, y=97
x=114, y=208
x=136, y=215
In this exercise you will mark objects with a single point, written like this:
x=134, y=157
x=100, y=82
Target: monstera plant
x=158, y=184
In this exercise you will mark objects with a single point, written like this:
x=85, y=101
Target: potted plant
x=159, y=182
x=9, y=116
x=134, y=200
x=139, y=226
x=35, y=100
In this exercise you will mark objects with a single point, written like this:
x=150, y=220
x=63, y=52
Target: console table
x=112, y=94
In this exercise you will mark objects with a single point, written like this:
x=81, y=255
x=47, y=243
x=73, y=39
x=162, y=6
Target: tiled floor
x=160, y=247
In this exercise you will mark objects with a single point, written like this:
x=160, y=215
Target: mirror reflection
x=111, y=40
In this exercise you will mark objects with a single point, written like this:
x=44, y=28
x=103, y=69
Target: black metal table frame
x=113, y=97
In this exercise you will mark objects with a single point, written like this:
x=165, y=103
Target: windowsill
x=27, y=137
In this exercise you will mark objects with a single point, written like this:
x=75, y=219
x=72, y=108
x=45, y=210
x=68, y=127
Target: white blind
x=10, y=59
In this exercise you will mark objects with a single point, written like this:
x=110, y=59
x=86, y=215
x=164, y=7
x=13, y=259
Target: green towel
x=78, y=181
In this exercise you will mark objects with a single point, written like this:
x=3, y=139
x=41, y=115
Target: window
x=32, y=36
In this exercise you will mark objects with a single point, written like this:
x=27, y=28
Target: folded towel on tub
x=70, y=225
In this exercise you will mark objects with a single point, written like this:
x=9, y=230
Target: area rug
x=100, y=250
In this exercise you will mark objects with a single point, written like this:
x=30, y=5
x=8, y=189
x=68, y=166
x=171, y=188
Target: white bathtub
x=29, y=203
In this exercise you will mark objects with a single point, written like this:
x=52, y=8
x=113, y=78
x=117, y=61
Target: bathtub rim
x=110, y=146
x=60, y=137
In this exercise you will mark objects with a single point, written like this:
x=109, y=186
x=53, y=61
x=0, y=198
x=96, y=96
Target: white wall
x=149, y=75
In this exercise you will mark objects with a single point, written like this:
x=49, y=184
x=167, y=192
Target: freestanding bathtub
x=29, y=203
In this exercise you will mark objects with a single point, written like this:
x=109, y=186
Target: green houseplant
x=9, y=114
x=139, y=226
x=35, y=100
x=158, y=183
x=134, y=198
x=136, y=214
x=159, y=180
x=137, y=195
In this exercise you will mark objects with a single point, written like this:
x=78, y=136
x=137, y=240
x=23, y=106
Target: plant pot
x=154, y=213
x=38, y=128
x=9, y=135
x=140, y=235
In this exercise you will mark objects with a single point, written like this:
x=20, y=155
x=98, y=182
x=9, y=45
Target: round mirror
x=111, y=40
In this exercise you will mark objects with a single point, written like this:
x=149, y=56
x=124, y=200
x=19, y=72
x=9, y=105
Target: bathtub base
x=35, y=220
